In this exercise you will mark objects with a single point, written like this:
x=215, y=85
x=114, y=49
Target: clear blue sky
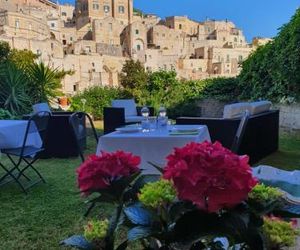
x=255, y=17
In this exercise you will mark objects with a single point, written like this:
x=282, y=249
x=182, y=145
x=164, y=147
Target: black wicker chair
x=26, y=154
x=115, y=117
x=260, y=137
x=77, y=122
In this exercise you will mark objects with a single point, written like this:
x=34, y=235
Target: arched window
x=138, y=47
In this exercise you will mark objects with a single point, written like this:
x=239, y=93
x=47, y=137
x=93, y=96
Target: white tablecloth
x=12, y=134
x=151, y=146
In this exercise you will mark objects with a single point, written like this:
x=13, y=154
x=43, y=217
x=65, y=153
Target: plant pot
x=63, y=101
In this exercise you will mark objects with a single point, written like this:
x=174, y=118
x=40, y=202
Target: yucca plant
x=13, y=84
x=45, y=81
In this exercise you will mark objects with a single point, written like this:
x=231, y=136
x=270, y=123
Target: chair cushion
x=133, y=118
x=128, y=104
x=39, y=107
x=259, y=107
x=236, y=110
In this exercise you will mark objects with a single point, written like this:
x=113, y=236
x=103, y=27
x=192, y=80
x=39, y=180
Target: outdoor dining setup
x=246, y=128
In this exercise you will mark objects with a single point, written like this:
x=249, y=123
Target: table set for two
x=152, y=145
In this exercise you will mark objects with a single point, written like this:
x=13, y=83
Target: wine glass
x=162, y=112
x=145, y=112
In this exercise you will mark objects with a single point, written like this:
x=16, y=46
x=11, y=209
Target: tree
x=134, y=78
x=273, y=70
x=23, y=59
x=45, y=82
x=4, y=50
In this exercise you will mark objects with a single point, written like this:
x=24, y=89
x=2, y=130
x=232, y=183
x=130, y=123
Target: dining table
x=154, y=145
x=12, y=134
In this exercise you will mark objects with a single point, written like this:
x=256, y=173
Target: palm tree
x=45, y=82
x=14, y=85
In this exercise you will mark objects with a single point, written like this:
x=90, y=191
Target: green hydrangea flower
x=263, y=193
x=96, y=230
x=157, y=193
x=279, y=233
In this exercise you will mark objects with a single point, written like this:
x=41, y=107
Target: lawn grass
x=54, y=211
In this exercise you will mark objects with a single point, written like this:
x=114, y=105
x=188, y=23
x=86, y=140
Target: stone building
x=95, y=37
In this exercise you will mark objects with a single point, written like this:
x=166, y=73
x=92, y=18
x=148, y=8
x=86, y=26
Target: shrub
x=273, y=71
x=5, y=115
x=14, y=95
x=94, y=99
x=221, y=89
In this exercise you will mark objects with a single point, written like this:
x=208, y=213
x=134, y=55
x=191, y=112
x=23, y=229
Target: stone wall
x=289, y=116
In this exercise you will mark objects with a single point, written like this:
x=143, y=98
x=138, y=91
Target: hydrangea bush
x=205, y=198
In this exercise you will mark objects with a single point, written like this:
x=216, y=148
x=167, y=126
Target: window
x=75, y=87
x=95, y=6
x=52, y=46
x=88, y=49
x=121, y=9
x=52, y=25
x=17, y=24
x=106, y=9
x=228, y=58
x=93, y=64
x=138, y=47
x=64, y=42
x=71, y=39
x=137, y=32
x=240, y=58
x=235, y=39
x=64, y=14
x=180, y=26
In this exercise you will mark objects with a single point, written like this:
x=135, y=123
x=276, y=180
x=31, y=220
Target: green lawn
x=53, y=211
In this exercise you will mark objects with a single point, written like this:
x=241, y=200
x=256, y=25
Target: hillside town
x=95, y=37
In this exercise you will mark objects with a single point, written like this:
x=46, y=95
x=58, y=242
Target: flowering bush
x=207, y=193
x=209, y=175
x=157, y=193
x=97, y=172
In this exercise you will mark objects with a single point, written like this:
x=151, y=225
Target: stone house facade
x=95, y=37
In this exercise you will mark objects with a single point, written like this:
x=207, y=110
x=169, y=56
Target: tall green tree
x=273, y=71
x=134, y=78
x=23, y=59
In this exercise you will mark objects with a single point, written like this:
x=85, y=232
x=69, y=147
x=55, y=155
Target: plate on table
x=129, y=129
x=185, y=129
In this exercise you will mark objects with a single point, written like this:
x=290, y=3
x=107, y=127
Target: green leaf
x=178, y=208
x=139, y=215
x=159, y=168
x=139, y=232
x=77, y=241
x=123, y=245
